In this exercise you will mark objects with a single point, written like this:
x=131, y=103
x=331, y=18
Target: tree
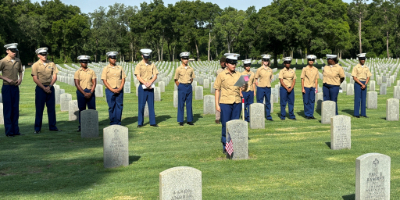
x=358, y=9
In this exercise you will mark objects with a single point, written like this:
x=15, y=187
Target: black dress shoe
x=139, y=126
x=283, y=119
x=366, y=116
x=10, y=135
x=36, y=132
x=357, y=116
x=190, y=123
x=78, y=130
x=180, y=123
x=270, y=119
x=19, y=134
x=312, y=117
x=154, y=125
x=55, y=130
x=293, y=118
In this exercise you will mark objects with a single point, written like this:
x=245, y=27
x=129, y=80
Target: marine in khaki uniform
x=184, y=76
x=113, y=77
x=333, y=77
x=263, y=79
x=361, y=75
x=44, y=73
x=287, y=77
x=309, y=84
x=228, y=96
x=11, y=68
x=222, y=62
x=248, y=94
x=85, y=82
x=146, y=73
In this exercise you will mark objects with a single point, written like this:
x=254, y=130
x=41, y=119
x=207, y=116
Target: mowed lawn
x=288, y=159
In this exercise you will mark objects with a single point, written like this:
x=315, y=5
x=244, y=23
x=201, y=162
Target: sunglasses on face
x=14, y=50
x=185, y=58
x=311, y=60
x=84, y=61
x=43, y=54
x=232, y=62
x=265, y=60
x=114, y=58
x=246, y=65
x=287, y=62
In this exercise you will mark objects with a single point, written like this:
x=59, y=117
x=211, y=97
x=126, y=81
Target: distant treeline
x=284, y=28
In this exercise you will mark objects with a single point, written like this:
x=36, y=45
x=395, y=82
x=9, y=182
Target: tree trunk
x=197, y=50
x=229, y=46
x=275, y=59
x=173, y=54
x=359, y=33
x=209, y=45
x=387, y=43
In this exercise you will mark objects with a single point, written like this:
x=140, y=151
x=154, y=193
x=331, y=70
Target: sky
x=88, y=6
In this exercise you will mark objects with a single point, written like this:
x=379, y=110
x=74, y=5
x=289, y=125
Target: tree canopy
x=283, y=28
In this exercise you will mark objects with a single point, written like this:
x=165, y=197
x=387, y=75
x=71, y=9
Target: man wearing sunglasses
x=309, y=84
x=184, y=76
x=361, y=75
x=11, y=68
x=230, y=102
x=44, y=73
x=146, y=72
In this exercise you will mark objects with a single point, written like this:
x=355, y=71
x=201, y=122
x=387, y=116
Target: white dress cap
x=41, y=50
x=247, y=61
x=362, y=55
x=184, y=54
x=233, y=56
x=266, y=56
x=313, y=57
x=83, y=57
x=331, y=56
x=146, y=52
x=287, y=59
x=11, y=46
x=112, y=53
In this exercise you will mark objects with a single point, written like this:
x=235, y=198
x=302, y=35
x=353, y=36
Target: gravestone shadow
x=349, y=197
x=196, y=117
x=328, y=144
x=133, y=159
x=319, y=111
x=350, y=112
x=129, y=120
x=301, y=113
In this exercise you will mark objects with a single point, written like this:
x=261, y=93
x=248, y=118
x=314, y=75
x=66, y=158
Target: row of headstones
x=372, y=180
x=372, y=169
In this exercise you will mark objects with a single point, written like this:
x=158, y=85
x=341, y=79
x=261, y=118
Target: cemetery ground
x=288, y=159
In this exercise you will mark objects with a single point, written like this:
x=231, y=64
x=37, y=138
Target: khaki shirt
x=251, y=80
x=309, y=75
x=225, y=84
x=362, y=73
x=10, y=69
x=146, y=71
x=287, y=75
x=332, y=75
x=85, y=78
x=220, y=70
x=184, y=75
x=264, y=76
x=113, y=75
x=44, y=72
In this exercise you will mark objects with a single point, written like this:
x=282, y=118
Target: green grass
x=288, y=159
